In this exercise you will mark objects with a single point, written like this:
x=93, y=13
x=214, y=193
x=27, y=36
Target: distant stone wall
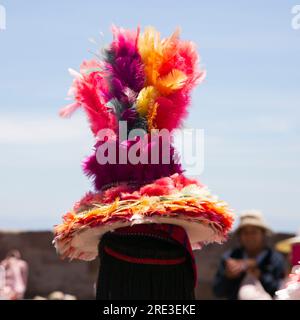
x=48, y=273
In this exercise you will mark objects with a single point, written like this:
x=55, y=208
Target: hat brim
x=84, y=245
x=253, y=224
x=204, y=220
x=285, y=246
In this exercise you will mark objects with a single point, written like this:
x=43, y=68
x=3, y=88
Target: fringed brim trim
x=204, y=218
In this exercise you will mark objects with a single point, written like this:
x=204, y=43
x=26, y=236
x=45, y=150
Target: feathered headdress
x=146, y=82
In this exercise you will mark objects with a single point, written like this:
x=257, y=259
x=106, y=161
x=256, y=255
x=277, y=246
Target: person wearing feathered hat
x=144, y=218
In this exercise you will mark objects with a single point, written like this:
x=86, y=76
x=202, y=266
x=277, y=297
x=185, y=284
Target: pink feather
x=98, y=114
x=90, y=91
x=122, y=36
x=189, y=64
x=68, y=110
x=159, y=187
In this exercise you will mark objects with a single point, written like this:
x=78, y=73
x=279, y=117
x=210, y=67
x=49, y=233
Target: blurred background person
x=2, y=282
x=291, y=249
x=15, y=271
x=252, y=271
x=290, y=287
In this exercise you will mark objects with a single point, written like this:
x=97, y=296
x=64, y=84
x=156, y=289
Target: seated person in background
x=15, y=274
x=290, y=287
x=291, y=249
x=252, y=271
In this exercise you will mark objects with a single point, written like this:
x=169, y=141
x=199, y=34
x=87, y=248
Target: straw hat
x=252, y=218
x=285, y=246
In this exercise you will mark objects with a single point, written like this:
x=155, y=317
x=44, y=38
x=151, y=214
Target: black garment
x=122, y=280
x=272, y=268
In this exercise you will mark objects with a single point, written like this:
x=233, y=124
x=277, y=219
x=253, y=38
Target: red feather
x=172, y=110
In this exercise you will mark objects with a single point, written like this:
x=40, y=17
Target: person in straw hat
x=290, y=288
x=252, y=270
x=291, y=248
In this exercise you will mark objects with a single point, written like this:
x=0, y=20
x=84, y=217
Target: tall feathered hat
x=145, y=82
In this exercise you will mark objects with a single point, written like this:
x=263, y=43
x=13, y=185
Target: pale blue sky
x=249, y=105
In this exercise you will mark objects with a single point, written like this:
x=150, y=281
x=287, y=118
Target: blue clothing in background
x=270, y=263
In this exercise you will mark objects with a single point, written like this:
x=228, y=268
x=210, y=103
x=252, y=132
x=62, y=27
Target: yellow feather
x=151, y=116
x=155, y=52
x=149, y=42
x=146, y=98
x=174, y=80
x=150, y=49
